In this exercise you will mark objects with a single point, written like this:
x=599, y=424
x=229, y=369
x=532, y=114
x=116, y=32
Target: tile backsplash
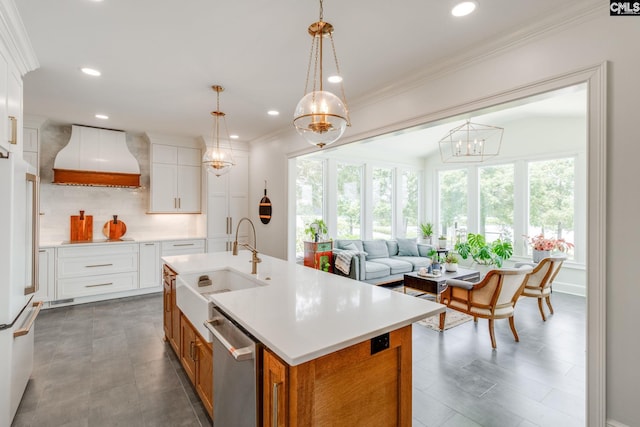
x=59, y=202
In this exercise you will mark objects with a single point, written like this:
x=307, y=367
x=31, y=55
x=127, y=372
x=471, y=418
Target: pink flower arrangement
x=540, y=243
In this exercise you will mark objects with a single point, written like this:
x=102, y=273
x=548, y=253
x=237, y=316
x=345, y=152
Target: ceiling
x=159, y=59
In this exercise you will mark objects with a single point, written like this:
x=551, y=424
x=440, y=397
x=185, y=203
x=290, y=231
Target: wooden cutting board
x=114, y=229
x=81, y=228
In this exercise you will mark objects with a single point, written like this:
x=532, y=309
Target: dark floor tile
x=118, y=406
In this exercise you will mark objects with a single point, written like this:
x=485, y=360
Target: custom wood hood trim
x=95, y=179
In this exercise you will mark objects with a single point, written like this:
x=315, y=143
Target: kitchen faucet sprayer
x=254, y=257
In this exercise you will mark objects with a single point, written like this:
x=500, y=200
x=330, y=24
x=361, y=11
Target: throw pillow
x=408, y=247
x=353, y=247
x=376, y=249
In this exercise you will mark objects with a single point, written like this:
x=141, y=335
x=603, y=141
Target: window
x=309, y=196
x=551, y=199
x=349, y=183
x=409, y=199
x=453, y=187
x=382, y=203
x=496, y=202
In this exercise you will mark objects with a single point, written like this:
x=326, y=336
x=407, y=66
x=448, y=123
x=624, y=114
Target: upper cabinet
x=176, y=179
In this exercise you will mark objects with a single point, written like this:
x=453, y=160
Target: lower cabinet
x=194, y=352
x=46, y=275
x=196, y=356
x=364, y=384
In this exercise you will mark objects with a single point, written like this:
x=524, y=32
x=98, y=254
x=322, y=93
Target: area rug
x=453, y=318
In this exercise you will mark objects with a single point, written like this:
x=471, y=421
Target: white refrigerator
x=18, y=280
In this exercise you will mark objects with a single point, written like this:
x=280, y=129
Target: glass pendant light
x=218, y=160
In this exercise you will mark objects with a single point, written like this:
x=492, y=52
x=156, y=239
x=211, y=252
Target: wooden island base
x=348, y=387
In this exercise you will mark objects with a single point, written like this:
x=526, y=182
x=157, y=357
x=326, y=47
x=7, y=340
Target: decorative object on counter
x=321, y=117
x=542, y=246
x=81, y=228
x=264, y=209
x=317, y=230
x=470, y=142
x=216, y=159
x=114, y=229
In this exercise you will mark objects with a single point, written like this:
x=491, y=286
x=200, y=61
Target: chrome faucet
x=254, y=257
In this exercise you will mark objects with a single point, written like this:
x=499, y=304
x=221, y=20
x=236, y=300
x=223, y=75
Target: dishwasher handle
x=239, y=354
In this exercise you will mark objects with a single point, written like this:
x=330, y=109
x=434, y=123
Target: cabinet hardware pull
x=166, y=304
x=274, y=408
x=42, y=251
x=230, y=226
x=179, y=203
x=14, y=130
x=196, y=352
x=24, y=331
x=98, y=265
x=149, y=244
x=99, y=284
x=175, y=203
x=191, y=345
x=183, y=244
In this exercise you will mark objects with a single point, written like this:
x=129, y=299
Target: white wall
x=586, y=42
x=58, y=202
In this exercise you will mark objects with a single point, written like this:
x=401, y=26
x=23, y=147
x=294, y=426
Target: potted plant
x=484, y=253
x=451, y=262
x=316, y=230
x=542, y=246
x=427, y=231
x=442, y=242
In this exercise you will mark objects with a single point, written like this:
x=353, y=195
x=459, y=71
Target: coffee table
x=437, y=285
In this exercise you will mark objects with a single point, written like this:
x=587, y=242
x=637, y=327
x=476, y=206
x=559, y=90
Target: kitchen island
x=337, y=351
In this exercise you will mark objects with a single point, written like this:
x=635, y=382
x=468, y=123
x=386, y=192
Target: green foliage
x=551, y=193
x=484, y=253
x=453, y=198
x=349, y=179
x=426, y=229
x=451, y=258
x=496, y=198
x=317, y=226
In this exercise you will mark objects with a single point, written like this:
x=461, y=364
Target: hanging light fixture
x=216, y=159
x=471, y=142
x=321, y=117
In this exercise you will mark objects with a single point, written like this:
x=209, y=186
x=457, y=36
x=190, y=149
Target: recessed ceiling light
x=464, y=8
x=102, y=116
x=234, y=136
x=334, y=79
x=273, y=113
x=91, y=71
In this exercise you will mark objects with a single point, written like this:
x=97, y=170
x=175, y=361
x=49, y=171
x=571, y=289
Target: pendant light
x=321, y=117
x=218, y=160
x=471, y=143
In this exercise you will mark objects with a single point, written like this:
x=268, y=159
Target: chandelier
x=471, y=142
x=321, y=117
x=218, y=160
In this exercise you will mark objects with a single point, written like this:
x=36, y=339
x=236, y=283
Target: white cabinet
x=10, y=106
x=31, y=147
x=46, y=275
x=150, y=273
x=175, y=179
x=93, y=270
x=182, y=247
x=227, y=203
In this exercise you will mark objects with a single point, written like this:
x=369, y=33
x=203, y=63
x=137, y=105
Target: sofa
x=383, y=261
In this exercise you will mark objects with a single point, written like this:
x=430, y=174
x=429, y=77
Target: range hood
x=96, y=157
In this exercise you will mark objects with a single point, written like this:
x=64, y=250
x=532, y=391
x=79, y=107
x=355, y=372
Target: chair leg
x=513, y=329
x=442, y=316
x=548, y=298
x=493, y=337
x=541, y=309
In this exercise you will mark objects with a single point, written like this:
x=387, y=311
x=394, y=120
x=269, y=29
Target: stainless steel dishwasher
x=236, y=372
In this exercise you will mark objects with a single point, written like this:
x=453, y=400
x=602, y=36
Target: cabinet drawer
x=81, y=250
x=180, y=247
x=96, y=285
x=95, y=265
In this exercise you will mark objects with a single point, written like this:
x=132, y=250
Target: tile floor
x=105, y=364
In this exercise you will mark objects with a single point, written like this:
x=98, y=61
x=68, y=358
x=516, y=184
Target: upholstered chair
x=540, y=281
x=494, y=297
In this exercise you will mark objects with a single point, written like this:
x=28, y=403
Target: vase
x=540, y=255
x=451, y=266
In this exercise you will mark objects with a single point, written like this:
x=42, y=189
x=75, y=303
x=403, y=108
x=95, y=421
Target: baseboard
x=569, y=288
x=612, y=423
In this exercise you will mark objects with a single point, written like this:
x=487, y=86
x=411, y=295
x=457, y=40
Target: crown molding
x=14, y=37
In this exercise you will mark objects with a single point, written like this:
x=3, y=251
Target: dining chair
x=541, y=279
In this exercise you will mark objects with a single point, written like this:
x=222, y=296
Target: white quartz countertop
x=104, y=241
x=302, y=313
